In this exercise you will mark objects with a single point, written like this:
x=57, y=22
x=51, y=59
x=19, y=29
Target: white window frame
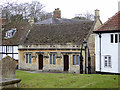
x=107, y=61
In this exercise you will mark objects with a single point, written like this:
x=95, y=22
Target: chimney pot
x=57, y=13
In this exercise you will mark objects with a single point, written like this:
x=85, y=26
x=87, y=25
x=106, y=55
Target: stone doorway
x=40, y=62
x=66, y=62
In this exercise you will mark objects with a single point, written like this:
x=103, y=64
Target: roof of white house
x=112, y=25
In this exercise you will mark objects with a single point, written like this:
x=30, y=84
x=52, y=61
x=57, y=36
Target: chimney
x=57, y=13
x=31, y=21
x=97, y=16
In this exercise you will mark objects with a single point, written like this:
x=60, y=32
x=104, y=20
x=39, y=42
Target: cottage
x=54, y=44
x=107, y=46
x=11, y=38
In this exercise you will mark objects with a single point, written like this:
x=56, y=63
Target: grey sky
x=71, y=7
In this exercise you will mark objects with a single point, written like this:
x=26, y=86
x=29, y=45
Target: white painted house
x=107, y=46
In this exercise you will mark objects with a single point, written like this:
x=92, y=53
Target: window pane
x=54, y=59
x=29, y=58
x=50, y=58
x=77, y=59
x=119, y=38
x=106, y=57
x=116, y=38
x=109, y=62
x=105, y=62
x=111, y=38
x=26, y=58
x=73, y=59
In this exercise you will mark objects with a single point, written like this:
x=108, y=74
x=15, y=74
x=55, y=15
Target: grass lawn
x=66, y=80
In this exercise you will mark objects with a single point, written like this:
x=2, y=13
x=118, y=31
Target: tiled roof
x=59, y=33
x=18, y=38
x=113, y=24
x=58, y=21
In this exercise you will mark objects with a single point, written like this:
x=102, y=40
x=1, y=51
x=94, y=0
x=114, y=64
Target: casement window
x=116, y=38
x=107, y=61
x=111, y=38
x=52, y=59
x=119, y=38
x=28, y=58
x=75, y=59
x=9, y=49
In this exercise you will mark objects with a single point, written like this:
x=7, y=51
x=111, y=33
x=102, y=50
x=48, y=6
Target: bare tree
x=25, y=9
x=86, y=16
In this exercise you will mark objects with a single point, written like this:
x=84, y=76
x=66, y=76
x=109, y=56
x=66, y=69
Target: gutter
x=100, y=49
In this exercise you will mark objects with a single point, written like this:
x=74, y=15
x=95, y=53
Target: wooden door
x=66, y=62
x=40, y=62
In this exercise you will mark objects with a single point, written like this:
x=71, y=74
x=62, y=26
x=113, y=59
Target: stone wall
x=59, y=66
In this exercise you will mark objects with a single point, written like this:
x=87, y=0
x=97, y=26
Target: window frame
x=53, y=59
x=111, y=38
x=75, y=59
x=28, y=58
x=116, y=38
x=107, y=61
x=119, y=37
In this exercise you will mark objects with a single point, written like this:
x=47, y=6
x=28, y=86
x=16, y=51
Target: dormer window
x=10, y=33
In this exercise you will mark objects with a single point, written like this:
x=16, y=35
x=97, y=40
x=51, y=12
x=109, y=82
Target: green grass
x=66, y=80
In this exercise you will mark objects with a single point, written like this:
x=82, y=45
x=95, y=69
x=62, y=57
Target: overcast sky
x=71, y=7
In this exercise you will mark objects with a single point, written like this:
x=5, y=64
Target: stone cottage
x=55, y=46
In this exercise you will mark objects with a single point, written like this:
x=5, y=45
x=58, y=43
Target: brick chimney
x=97, y=16
x=57, y=13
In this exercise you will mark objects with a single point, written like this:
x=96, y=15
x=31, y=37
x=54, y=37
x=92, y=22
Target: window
x=52, y=59
x=116, y=38
x=107, y=61
x=75, y=59
x=111, y=37
x=119, y=38
x=9, y=49
x=28, y=58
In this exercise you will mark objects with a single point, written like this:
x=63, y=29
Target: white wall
x=119, y=57
x=15, y=50
x=97, y=50
x=107, y=48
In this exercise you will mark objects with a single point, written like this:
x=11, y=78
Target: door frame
x=40, y=64
x=66, y=68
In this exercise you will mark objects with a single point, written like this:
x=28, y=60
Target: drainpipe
x=100, y=49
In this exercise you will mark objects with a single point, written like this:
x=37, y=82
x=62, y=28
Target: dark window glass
x=116, y=38
x=30, y=58
x=26, y=58
x=73, y=59
x=50, y=58
x=119, y=38
x=54, y=59
x=111, y=38
x=77, y=59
